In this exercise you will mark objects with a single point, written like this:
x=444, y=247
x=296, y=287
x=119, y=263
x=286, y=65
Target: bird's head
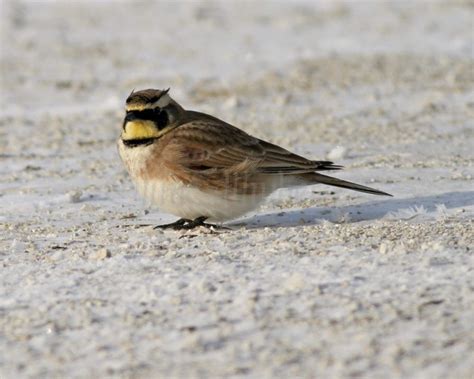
x=150, y=114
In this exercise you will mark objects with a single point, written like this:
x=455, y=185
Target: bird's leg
x=174, y=225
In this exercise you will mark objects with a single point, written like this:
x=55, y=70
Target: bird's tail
x=320, y=178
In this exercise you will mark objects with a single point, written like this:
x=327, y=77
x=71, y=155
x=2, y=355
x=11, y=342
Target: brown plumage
x=206, y=159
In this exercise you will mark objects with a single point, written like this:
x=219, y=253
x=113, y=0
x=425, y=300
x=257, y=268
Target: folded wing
x=213, y=144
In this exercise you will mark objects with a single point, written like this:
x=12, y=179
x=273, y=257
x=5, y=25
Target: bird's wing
x=280, y=160
x=211, y=145
x=214, y=144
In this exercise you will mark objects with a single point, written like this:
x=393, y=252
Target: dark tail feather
x=320, y=178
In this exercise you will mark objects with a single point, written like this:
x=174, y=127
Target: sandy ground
x=319, y=282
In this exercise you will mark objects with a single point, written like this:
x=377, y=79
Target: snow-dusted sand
x=319, y=282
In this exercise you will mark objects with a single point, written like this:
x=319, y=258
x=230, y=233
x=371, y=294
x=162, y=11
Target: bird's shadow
x=372, y=210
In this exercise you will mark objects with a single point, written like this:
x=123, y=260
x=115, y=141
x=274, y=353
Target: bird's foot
x=174, y=225
x=200, y=222
x=185, y=224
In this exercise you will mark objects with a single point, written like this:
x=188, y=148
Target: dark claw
x=185, y=224
x=174, y=225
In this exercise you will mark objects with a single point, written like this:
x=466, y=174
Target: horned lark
x=200, y=168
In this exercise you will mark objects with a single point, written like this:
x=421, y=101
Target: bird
x=200, y=168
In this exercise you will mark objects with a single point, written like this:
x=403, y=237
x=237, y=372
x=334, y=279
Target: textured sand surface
x=319, y=282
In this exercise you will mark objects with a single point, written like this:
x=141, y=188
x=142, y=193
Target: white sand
x=319, y=282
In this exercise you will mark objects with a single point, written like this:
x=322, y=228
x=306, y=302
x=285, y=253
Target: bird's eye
x=161, y=118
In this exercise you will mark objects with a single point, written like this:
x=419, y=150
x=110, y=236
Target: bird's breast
x=143, y=161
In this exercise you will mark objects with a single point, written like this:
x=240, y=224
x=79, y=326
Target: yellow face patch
x=140, y=129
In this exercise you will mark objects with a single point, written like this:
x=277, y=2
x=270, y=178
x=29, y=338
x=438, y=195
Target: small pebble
x=74, y=196
x=101, y=254
x=337, y=153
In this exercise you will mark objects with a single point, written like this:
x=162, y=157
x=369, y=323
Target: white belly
x=189, y=202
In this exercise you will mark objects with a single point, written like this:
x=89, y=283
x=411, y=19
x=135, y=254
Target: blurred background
x=68, y=58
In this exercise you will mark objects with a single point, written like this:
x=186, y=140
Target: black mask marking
x=157, y=115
